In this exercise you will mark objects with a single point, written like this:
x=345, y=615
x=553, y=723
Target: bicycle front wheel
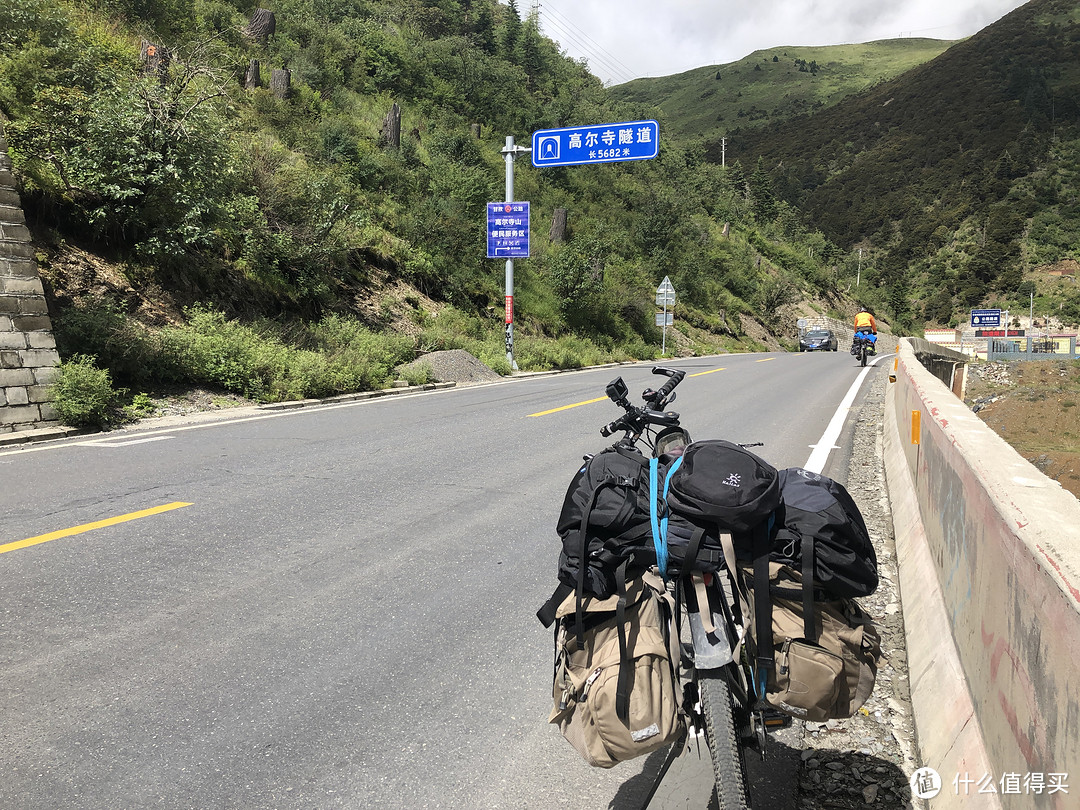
x=721, y=733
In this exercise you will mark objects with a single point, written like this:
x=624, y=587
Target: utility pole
x=723, y=152
x=510, y=151
x=858, y=273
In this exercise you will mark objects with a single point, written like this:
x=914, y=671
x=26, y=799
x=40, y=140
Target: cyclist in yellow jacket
x=865, y=323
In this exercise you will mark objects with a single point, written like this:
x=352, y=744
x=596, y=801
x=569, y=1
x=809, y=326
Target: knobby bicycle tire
x=728, y=756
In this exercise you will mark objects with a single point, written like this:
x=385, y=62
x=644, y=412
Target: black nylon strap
x=692, y=550
x=762, y=601
x=583, y=562
x=808, y=588
x=546, y=614
x=622, y=690
x=633, y=455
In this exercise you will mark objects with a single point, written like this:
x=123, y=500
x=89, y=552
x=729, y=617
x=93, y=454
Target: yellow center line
x=702, y=373
x=568, y=407
x=765, y=360
x=86, y=527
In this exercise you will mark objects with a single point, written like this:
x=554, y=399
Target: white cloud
x=633, y=38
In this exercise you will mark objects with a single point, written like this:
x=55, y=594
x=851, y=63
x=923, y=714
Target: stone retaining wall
x=28, y=356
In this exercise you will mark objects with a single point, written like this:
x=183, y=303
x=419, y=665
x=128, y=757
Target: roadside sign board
x=507, y=230
x=600, y=143
x=985, y=317
x=660, y=321
x=665, y=293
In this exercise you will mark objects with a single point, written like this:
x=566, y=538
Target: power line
x=591, y=55
x=594, y=60
x=596, y=44
x=593, y=50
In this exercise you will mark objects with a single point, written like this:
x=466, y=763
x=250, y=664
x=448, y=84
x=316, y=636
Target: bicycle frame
x=727, y=707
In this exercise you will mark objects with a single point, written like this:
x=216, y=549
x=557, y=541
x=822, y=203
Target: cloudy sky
x=627, y=39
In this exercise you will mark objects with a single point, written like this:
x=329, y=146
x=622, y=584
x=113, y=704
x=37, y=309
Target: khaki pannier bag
x=825, y=668
x=615, y=690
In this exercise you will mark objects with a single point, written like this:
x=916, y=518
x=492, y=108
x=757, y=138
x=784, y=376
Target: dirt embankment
x=1035, y=407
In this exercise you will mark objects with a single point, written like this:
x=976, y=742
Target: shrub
x=83, y=394
x=420, y=374
x=99, y=327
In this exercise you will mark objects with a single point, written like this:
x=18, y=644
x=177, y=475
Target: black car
x=818, y=340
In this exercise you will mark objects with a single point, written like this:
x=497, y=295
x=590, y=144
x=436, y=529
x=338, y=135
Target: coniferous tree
x=511, y=33
x=483, y=27
x=761, y=192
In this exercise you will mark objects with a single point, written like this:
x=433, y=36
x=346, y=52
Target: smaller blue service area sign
x=601, y=143
x=507, y=230
x=986, y=317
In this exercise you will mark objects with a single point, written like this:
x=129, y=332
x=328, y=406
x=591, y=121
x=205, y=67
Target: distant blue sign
x=602, y=143
x=507, y=230
x=986, y=317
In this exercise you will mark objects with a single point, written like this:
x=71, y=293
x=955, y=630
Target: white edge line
x=221, y=422
x=827, y=443
x=114, y=443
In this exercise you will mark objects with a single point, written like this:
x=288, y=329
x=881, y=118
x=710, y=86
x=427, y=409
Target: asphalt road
x=335, y=606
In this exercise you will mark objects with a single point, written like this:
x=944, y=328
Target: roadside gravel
x=866, y=761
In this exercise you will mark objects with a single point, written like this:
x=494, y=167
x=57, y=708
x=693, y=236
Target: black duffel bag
x=811, y=505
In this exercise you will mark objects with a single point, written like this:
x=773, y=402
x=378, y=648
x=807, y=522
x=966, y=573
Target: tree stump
x=262, y=25
x=280, y=82
x=252, y=79
x=391, y=128
x=558, y=225
x=155, y=59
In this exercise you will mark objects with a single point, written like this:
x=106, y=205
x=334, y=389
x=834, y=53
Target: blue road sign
x=986, y=317
x=602, y=143
x=507, y=230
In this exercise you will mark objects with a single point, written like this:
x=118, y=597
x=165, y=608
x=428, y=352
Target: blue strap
x=664, y=519
x=659, y=536
x=660, y=524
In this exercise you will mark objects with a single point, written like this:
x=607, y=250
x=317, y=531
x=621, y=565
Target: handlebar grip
x=669, y=386
x=612, y=427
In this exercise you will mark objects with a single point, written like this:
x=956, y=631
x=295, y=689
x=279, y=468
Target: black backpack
x=813, y=506
x=716, y=487
x=724, y=484
x=605, y=520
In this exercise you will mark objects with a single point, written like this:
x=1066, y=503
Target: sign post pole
x=663, y=340
x=665, y=295
x=510, y=151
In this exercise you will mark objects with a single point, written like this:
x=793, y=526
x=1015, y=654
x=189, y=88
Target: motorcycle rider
x=865, y=324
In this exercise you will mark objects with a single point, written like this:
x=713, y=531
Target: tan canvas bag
x=828, y=677
x=587, y=675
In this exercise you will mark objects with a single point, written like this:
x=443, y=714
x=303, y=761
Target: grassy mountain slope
x=953, y=176
x=196, y=227
x=774, y=84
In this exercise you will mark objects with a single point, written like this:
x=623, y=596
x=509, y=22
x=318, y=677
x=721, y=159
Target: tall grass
x=267, y=361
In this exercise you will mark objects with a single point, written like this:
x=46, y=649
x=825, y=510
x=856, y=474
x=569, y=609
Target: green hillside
x=955, y=179
x=774, y=84
x=196, y=226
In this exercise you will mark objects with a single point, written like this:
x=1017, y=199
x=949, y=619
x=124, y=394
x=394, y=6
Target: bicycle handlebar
x=637, y=419
x=675, y=376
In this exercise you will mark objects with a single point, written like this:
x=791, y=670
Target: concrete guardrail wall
x=989, y=553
